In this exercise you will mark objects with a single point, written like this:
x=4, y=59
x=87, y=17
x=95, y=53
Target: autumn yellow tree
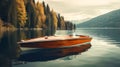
x=62, y=22
x=41, y=14
x=40, y=8
x=21, y=13
x=54, y=19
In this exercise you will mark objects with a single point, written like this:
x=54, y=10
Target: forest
x=27, y=14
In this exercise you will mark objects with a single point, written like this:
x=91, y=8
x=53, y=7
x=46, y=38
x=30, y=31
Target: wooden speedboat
x=55, y=41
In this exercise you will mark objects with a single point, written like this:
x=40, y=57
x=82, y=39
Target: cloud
x=80, y=9
x=76, y=16
x=84, y=2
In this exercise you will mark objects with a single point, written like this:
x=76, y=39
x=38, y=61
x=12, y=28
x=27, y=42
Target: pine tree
x=12, y=13
x=31, y=14
x=48, y=9
x=21, y=13
x=4, y=8
x=45, y=10
x=59, y=21
x=62, y=23
x=54, y=19
x=40, y=13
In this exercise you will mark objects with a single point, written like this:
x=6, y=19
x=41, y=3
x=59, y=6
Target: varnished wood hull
x=57, y=43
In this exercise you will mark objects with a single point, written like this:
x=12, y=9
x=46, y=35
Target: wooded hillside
x=28, y=14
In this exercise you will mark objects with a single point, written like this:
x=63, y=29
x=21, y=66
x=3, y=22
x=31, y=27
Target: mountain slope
x=111, y=19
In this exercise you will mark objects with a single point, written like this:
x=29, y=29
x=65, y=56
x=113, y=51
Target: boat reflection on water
x=52, y=54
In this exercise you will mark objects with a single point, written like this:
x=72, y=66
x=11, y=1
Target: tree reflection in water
x=10, y=51
x=8, y=48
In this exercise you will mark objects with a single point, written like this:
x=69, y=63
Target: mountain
x=80, y=21
x=111, y=19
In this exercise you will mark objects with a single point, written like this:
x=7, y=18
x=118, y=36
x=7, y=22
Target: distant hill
x=80, y=21
x=111, y=19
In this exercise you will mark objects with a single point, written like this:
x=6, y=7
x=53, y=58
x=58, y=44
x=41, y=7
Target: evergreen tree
x=48, y=9
x=31, y=14
x=54, y=20
x=59, y=21
x=41, y=14
x=21, y=13
x=4, y=8
x=12, y=13
x=45, y=10
x=62, y=23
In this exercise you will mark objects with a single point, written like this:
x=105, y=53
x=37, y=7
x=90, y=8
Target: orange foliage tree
x=21, y=13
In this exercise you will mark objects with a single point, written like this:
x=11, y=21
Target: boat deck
x=50, y=38
x=55, y=41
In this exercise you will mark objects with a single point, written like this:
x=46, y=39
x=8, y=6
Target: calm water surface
x=104, y=50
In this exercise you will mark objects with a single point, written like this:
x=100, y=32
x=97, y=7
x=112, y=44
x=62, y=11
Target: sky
x=82, y=9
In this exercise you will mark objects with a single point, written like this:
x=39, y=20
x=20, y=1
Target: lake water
x=103, y=51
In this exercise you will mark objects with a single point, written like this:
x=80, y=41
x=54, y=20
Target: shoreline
x=3, y=29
